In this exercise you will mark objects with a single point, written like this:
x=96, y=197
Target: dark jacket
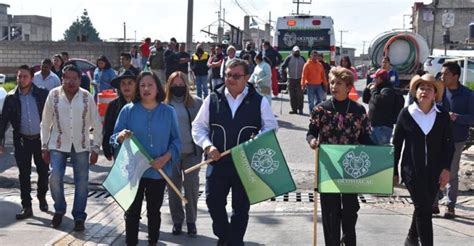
x=199, y=64
x=110, y=118
x=381, y=100
x=226, y=131
x=12, y=109
x=424, y=157
x=463, y=105
x=273, y=56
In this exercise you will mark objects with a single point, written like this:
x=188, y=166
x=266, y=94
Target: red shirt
x=145, y=49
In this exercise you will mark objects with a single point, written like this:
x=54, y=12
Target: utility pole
x=124, y=32
x=189, y=26
x=298, y=2
x=220, y=29
x=340, y=45
x=435, y=9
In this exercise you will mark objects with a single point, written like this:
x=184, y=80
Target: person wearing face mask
x=186, y=107
x=293, y=65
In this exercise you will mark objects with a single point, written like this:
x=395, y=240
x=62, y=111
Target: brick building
x=460, y=12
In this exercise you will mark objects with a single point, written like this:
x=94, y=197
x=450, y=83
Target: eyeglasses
x=234, y=76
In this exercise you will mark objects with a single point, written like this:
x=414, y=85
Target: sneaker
x=43, y=204
x=79, y=225
x=300, y=112
x=292, y=112
x=56, y=221
x=24, y=214
x=177, y=229
x=435, y=209
x=192, y=231
x=449, y=213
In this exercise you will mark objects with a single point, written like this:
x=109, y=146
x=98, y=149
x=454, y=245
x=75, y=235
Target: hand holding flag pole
x=197, y=166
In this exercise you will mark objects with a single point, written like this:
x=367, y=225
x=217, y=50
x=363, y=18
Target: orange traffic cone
x=353, y=95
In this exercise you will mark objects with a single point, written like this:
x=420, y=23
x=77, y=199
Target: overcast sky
x=162, y=19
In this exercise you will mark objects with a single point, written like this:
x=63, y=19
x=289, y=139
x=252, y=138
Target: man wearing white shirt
x=230, y=115
x=68, y=115
x=45, y=78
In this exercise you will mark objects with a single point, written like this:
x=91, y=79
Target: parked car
x=433, y=64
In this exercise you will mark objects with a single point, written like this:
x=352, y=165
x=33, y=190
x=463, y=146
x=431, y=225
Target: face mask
x=296, y=54
x=199, y=50
x=178, y=91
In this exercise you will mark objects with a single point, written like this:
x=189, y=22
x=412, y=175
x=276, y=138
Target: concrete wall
x=15, y=53
x=463, y=11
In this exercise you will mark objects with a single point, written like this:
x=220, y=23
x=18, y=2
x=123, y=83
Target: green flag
x=262, y=168
x=355, y=169
x=124, y=177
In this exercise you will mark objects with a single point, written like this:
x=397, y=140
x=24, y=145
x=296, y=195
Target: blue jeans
x=315, y=92
x=80, y=165
x=201, y=85
x=381, y=135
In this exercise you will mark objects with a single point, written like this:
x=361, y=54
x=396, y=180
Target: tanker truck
x=407, y=52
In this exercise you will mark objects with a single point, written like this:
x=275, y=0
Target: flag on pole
x=124, y=177
x=355, y=169
x=262, y=168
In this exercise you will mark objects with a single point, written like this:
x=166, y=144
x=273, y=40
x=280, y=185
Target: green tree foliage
x=82, y=30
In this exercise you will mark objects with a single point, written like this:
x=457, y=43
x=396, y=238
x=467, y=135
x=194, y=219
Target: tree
x=82, y=30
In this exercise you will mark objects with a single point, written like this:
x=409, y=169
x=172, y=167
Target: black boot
x=177, y=229
x=43, y=204
x=192, y=231
x=411, y=241
x=24, y=214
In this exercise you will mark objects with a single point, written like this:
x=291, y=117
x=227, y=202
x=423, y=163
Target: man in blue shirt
x=22, y=108
x=459, y=101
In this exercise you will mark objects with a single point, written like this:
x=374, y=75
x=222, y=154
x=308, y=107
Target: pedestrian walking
x=275, y=61
x=201, y=71
x=22, y=109
x=68, y=115
x=58, y=64
x=171, y=61
x=157, y=61
x=136, y=57
x=458, y=100
x=126, y=86
x=314, y=80
x=230, y=115
x=155, y=126
x=293, y=65
x=186, y=106
x=425, y=131
x=261, y=78
x=126, y=62
x=103, y=75
x=45, y=78
x=215, y=65
x=145, y=51
x=380, y=96
x=339, y=120
x=392, y=73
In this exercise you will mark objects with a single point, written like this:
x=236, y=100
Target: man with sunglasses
x=230, y=115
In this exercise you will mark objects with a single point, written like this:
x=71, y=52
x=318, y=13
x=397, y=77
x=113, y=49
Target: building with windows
x=440, y=14
x=23, y=27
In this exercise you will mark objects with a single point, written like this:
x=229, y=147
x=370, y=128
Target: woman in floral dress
x=339, y=121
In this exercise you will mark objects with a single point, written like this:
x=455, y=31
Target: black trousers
x=222, y=179
x=423, y=195
x=296, y=94
x=25, y=149
x=337, y=209
x=153, y=190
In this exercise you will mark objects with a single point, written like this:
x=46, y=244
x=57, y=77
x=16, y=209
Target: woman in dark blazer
x=426, y=131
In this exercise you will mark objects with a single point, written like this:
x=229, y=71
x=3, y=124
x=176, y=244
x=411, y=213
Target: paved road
x=286, y=220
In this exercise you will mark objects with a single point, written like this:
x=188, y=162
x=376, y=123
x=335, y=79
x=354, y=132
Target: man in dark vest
x=230, y=115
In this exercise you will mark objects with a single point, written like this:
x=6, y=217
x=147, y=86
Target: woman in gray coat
x=186, y=107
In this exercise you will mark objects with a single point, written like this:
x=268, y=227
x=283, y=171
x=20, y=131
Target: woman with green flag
x=154, y=124
x=339, y=121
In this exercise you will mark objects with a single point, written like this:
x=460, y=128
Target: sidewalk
x=381, y=220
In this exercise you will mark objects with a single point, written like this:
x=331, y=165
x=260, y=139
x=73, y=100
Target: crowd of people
x=53, y=114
